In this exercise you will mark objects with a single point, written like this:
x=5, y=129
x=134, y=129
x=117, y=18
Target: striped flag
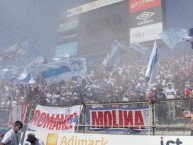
x=23, y=78
x=64, y=69
x=153, y=67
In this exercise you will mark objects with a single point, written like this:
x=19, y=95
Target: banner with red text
x=55, y=118
x=124, y=119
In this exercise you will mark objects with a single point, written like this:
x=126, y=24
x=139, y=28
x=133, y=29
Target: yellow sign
x=52, y=139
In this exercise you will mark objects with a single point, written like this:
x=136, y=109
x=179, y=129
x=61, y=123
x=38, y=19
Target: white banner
x=145, y=33
x=119, y=118
x=55, y=118
x=103, y=139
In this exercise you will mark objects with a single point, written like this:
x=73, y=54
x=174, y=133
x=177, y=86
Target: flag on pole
x=116, y=51
x=153, y=67
x=172, y=36
x=64, y=69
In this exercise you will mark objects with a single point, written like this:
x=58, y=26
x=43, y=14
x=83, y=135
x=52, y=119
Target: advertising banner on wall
x=143, y=18
x=146, y=33
x=55, y=118
x=50, y=138
x=118, y=118
x=140, y=5
x=146, y=20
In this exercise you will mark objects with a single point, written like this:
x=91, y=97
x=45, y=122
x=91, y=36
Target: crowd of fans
x=126, y=83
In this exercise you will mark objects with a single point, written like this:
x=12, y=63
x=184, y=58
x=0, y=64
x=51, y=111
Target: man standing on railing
x=11, y=138
x=188, y=114
x=160, y=107
x=170, y=93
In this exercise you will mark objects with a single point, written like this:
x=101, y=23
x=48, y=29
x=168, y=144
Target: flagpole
x=153, y=61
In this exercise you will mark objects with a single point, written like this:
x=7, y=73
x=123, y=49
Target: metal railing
x=165, y=117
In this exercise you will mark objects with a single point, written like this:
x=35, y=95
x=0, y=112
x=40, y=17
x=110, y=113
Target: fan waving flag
x=153, y=67
x=64, y=69
x=24, y=77
x=117, y=50
x=172, y=36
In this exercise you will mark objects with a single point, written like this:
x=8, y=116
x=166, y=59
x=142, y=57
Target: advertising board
x=146, y=33
x=139, y=5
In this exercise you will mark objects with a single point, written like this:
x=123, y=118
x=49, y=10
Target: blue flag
x=139, y=48
x=152, y=68
x=172, y=36
x=55, y=71
x=116, y=51
x=63, y=69
x=24, y=78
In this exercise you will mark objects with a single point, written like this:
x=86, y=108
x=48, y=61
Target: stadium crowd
x=126, y=83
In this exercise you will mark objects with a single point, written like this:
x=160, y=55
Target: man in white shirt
x=11, y=138
x=170, y=93
x=32, y=140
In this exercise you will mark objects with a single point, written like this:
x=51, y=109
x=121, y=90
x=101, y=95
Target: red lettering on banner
x=117, y=119
x=75, y=115
x=61, y=121
x=114, y=118
x=139, y=120
x=55, y=122
x=41, y=119
x=97, y=119
x=107, y=119
x=49, y=120
x=65, y=122
x=128, y=118
x=35, y=117
x=120, y=118
x=70, y=125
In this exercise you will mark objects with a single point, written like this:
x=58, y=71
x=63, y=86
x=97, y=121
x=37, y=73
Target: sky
x=36, y=21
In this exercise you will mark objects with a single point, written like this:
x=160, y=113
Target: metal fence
x=165, y=117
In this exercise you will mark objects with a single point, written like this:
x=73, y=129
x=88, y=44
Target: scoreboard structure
x=88, y=30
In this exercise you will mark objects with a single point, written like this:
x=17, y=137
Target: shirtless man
x=188, y=114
